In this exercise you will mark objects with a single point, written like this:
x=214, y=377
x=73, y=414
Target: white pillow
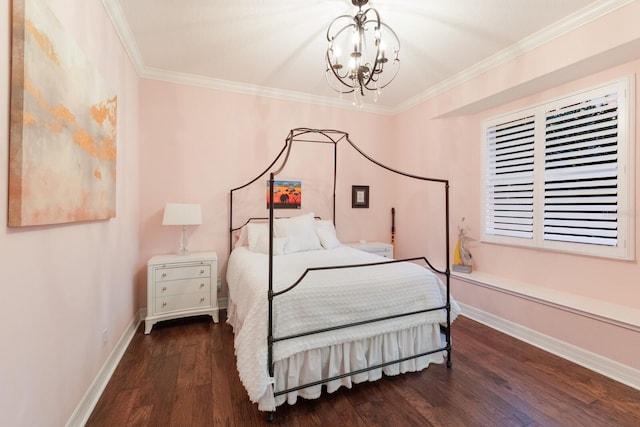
x=255, y=233
x=301, y=233
x=258, y=238
x=326, y=231
x=279, y=246
x=243, y=239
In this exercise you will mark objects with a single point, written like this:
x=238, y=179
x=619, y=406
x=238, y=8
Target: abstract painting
x=286, y=194
x=62, y=147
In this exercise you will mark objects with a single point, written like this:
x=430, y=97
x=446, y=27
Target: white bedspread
x=323, y=299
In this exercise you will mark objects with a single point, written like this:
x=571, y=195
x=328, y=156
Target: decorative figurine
x=462, y=256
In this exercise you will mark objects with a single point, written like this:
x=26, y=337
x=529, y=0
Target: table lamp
x=182, y=214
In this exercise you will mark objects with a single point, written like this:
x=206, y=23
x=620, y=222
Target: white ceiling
x=277, y=47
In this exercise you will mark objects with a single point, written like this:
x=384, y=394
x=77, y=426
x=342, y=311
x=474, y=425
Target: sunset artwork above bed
x=286, y=195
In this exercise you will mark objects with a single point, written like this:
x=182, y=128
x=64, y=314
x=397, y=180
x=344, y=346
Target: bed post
x=448, y=273
x=270, y=414
x=230, y=221
x=335, y=175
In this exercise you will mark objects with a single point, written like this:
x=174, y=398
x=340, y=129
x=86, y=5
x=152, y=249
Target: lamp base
x=183, y=242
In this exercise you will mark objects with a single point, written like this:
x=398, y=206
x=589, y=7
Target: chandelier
x=362, y=54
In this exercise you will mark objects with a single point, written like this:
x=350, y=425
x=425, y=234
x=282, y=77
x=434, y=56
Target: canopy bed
x=308, y=311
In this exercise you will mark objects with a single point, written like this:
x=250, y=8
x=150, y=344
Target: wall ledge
x=615, y=314
x=602, y=365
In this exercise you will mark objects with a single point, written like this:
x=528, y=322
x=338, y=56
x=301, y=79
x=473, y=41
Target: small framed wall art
x=359, y=196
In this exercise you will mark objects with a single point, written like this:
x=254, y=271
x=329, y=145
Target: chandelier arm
x=351, y=18
x=395, y=36
x=330, y=64
x=395, y=60
x=337, y=89
x=393, y=77
x=338, y=77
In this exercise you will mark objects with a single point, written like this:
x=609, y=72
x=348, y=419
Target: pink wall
x=63, y=285
x=443, y=136
x=196, y=144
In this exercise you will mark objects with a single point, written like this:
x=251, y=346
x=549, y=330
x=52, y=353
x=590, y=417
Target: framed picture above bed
x=359, y=196
x=286, y=195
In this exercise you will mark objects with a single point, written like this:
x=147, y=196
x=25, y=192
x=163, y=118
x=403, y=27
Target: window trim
x=625, y=249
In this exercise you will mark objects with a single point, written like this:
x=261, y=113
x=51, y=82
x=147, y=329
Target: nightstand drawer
x=177, y=273
x=186, y=286
x=378, y=251
x=181, y=302
x=378, y=248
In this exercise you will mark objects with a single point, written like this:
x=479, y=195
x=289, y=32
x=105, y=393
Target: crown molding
x=557, y=29
x=551, y=32
x=116, y=15
x=255, y=90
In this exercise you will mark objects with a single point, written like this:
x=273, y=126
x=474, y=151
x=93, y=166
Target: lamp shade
x=182, y=214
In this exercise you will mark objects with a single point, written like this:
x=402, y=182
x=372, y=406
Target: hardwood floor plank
x=139, y=417
x=547, y=398
x=184, y=373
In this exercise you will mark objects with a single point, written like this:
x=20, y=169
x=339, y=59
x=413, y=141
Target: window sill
x=619, y=315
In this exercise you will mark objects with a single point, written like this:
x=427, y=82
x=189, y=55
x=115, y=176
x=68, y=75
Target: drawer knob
x=201, y=285
x=164, y=274
x=202, y=299
x=164, y=288
x=202, y=271
x=164, y=304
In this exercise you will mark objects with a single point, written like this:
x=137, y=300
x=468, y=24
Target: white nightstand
x=181, y=286
x=378, y=248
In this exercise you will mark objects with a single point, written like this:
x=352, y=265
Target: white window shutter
x=581, y=172
x=509, y=179
x=559, y=175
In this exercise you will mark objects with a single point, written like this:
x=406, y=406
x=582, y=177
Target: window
x=559, y=175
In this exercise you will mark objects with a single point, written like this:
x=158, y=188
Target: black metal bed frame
x=331, y=136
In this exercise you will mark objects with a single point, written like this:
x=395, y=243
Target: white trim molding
x=83, y=411
x=614, y=314
x=88, y=402
x=602, y=365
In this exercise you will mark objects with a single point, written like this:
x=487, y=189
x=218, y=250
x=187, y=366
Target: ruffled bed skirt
x=314, y=365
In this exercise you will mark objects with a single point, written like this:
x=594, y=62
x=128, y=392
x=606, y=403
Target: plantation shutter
x=581, y=172
x=509, y=180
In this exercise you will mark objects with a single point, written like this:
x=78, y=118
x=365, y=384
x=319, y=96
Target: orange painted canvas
x=286, y=194
x=62, y=148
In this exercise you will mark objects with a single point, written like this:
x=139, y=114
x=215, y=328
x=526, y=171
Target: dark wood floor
x=184, y=374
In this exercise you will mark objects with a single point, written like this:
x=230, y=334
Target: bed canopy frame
x=331, y=137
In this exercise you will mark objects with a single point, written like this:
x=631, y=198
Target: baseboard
x=602, y=365
x=91, y=397
x=614, y=314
